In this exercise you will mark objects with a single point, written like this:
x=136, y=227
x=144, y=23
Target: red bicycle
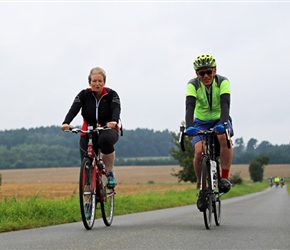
x=93, y=189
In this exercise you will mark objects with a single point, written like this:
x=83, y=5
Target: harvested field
x=269, y=170
x=128, y=175
x=63, y=182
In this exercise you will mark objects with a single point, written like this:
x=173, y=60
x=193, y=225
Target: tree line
x=244, y=153
x=45, y=147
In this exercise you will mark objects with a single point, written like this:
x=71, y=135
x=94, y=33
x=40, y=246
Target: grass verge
x=39, y=212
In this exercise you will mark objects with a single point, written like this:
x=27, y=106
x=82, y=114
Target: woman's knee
x=106, y=141
x=107, y=149
x=108, y=137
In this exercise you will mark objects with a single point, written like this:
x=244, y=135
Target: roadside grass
x=36, y=211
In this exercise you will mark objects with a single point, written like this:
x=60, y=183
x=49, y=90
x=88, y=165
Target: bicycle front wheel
x=87, y=193
x=107, y=203
x=207, y=196
x=217, y=209
x=217, y=197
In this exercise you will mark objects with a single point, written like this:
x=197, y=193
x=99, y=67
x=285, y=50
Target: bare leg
x=197, y=161
x=109, y=160
x=226, y=154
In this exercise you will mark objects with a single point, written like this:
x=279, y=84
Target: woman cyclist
x=99, y=106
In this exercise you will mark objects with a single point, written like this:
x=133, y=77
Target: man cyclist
x=208, y=106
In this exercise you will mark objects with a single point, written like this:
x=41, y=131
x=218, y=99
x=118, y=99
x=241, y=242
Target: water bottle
x=213, y=174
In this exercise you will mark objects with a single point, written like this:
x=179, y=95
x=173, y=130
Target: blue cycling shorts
x=202, y=125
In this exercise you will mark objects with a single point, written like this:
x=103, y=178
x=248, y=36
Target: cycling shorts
x=105, y=141
x=206, y=125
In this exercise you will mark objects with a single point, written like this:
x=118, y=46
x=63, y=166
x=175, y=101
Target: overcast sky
x=147, y=49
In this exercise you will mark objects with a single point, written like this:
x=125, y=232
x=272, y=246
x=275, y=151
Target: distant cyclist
x=271, y=181
x=282, y=181
x=208, y=106
x=277, y=181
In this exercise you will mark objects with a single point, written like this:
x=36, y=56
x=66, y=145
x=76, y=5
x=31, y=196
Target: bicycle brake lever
x=74, y=130
x=181, y=141
x=227, y=132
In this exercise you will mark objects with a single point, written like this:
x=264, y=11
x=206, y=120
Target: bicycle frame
x=98, y=166
x=211, y=153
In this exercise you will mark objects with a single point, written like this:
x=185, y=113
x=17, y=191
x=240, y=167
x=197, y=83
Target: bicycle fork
x=211, y=175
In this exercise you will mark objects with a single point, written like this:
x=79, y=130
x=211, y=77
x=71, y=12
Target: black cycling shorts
x=105, y=141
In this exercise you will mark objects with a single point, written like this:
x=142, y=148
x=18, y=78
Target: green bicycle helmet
x=204, y=61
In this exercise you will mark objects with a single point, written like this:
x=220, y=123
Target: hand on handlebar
x=219, y=129
x=111, y=124
x=191, y=131
x=65, y=127
x=222, y=128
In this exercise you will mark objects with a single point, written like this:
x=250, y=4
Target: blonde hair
x=97, y=70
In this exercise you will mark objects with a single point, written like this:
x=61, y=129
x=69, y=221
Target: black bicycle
x=93, y=187
x=210, y=174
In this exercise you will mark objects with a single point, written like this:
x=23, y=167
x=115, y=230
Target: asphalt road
x=256, y=221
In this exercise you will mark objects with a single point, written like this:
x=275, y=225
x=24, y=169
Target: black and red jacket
x=95, y=111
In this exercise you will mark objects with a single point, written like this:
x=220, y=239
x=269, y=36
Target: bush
x=256, y=168
x=185, y=159
x=236, y=179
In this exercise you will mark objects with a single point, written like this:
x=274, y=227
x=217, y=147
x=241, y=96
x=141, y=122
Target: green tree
x=264, y=146
x=185, y=159
x=256, y=168
x=239, y=146
x=51, y=147
x=251, y=145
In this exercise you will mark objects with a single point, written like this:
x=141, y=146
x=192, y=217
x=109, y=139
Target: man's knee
x=222, y=140
x=197, y=152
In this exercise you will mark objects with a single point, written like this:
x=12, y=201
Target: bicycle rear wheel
x=107, y=203
x=87, y=194
x=207, y=196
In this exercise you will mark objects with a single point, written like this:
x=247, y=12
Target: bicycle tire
x=217, y=201
x=217, y=209
x=87, y=193
x=107, y=202
x=207, y=196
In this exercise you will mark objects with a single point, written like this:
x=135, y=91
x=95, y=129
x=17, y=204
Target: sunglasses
x=208, y=72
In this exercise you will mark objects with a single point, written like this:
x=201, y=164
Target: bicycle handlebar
x=89, y=130
x=203, y=132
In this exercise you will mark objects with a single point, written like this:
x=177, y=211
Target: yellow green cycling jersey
x=203, y=110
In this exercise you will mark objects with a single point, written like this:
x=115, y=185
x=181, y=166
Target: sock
x=225, y=173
